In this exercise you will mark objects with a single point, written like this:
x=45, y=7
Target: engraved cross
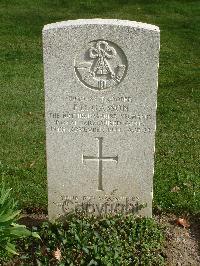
x=100, y=158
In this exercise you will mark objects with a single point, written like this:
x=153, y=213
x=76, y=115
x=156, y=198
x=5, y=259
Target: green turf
x=22, y=134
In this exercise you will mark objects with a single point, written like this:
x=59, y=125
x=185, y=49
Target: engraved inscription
x=116, y=114
x=101, y=205
x=101, y=65
x=100, y=158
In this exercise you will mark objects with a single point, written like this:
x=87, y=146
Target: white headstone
x=101, y=78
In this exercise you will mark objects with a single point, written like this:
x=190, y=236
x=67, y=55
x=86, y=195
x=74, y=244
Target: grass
x=22, y=134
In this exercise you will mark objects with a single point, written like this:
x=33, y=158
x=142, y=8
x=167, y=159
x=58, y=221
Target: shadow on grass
x=195, y=228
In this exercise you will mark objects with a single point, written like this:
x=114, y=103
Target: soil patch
x=182, y=244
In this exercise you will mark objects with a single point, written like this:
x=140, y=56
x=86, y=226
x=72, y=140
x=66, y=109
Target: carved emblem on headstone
x=103, y=65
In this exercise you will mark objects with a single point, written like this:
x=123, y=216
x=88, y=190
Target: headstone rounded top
x=99, y=21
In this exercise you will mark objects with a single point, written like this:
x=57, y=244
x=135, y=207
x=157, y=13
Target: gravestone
x=101, y=78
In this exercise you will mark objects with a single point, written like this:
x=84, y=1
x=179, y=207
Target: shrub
x=112, y=240
x=9, y=229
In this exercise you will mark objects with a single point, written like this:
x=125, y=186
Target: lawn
x=22, y=134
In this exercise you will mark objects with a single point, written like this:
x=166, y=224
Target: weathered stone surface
x=101, y=81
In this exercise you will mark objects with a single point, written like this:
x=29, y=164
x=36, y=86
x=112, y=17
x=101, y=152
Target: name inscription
x=100, y=114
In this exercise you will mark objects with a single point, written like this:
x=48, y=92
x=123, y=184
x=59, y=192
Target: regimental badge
x=102, y=66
